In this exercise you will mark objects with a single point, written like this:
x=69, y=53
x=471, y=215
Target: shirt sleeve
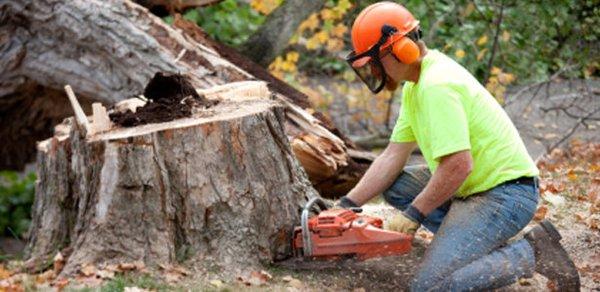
x=446, y=120
x=402, y=131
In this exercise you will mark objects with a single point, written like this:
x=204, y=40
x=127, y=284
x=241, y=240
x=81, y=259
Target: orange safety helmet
x=376, y=28
x=366, y=30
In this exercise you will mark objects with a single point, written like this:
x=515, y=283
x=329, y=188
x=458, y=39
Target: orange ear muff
x=406, y=50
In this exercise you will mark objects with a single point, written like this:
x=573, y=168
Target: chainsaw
x=339, y=233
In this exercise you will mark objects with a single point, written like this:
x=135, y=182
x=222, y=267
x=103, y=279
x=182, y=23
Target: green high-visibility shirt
x=448, y=111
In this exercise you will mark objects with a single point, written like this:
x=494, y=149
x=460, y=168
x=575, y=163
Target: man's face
x=395, y=70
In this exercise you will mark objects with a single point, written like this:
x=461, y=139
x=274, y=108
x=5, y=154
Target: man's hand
x=402, y=223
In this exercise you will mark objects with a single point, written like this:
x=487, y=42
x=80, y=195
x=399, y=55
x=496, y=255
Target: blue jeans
x=469, y=250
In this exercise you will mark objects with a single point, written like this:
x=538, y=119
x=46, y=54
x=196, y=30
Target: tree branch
x=573, y=129
x=495, y=45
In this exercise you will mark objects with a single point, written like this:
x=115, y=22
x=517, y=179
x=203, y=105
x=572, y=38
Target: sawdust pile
x=171, y=96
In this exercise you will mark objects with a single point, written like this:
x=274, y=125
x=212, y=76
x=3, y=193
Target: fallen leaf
x=89, y=282
x=216, y=283
x=45, y=277
x=287, y=278
x=524, y=282
x=172, y=277
x=6, y=286
x=580, y=216
x=134, y=289
x=255, y=281
x=553, y=199
x=265, y=275
x=88, y=270
x=540, y=214
x=58, y=263
x=571, y=175
x=60, y=283
x=593, y=221
x=550, y=136
x=4, y=273
x=361, y=289
x=296, y=284
x=126, y=267
x=106, y=274
x=138, y=265
x=551, y=285
x=554, y=187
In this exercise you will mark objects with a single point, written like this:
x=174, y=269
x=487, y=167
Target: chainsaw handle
x=356, y=209
x=306, y=239
x=307, y=243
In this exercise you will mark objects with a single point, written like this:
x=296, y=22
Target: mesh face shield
x=368, y=65
x=370, y=71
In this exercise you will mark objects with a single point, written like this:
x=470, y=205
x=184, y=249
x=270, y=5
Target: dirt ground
x=570, y=198
x=394, y=273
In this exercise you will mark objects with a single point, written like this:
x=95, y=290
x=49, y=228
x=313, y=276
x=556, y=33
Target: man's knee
x=434, y=278
x=397, y=198
x=426, y=283
x=407, y=186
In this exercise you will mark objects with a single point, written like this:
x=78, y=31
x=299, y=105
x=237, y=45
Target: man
x=479, y=187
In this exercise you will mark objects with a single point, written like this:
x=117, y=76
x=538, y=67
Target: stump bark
x=221, y=187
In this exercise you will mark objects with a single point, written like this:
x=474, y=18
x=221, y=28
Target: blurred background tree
x=502, y=42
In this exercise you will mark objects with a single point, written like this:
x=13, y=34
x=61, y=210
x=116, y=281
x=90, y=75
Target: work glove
x=344, y=203
x=407, y=221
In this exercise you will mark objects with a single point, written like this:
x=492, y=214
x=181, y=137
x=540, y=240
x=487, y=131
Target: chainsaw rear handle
x=307, y=246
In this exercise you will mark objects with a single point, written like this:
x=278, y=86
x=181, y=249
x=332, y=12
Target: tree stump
x=222, y=186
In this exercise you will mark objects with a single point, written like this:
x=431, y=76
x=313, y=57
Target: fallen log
x=221, y=186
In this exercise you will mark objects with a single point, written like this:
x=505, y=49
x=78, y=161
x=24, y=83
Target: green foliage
x=230, y=21
x=322, y=64
x=141, y=281
x=534, y=38
x=16, y=198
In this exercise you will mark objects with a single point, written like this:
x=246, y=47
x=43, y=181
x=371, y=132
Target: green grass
x=141, y=281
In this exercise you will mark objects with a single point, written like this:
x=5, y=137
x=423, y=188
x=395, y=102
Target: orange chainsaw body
x=342, y=232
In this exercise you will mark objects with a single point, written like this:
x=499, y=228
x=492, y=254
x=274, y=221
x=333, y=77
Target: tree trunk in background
x=107, y=50
x=221, y=188
x=163, y=8
x=273, y=35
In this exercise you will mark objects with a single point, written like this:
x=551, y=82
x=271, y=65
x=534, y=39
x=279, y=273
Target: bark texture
x=222, y=187
x=273, y=35
x=165, y=7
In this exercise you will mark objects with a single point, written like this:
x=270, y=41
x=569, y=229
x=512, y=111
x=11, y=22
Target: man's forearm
x=382, y=173
x=449, y=176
